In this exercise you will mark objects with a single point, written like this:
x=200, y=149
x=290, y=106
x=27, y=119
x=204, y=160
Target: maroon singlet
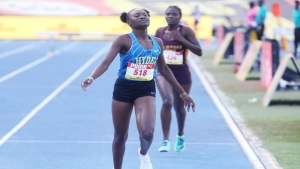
x=176, y=58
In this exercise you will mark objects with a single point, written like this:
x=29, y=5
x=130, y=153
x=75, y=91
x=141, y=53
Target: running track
x=48, y=122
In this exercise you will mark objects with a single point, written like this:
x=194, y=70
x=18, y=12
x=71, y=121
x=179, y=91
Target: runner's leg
x=121, y=113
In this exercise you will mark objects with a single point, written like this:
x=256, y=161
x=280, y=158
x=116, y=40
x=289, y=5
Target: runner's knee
x=167, y=104
x=147, y=135
x=120, y=139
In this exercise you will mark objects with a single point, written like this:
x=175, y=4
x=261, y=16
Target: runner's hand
x=168, y=35
x=176, y=35
x=188, y=102
x=86, y=83
x=173, y=35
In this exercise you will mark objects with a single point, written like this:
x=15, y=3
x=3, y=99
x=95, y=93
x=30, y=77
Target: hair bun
x=123, y=17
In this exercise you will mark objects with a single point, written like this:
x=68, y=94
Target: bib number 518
x=140, y=72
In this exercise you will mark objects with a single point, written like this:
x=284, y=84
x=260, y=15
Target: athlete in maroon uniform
x=177, y=41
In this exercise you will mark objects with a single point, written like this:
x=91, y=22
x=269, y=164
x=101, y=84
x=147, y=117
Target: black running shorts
x=128, y=91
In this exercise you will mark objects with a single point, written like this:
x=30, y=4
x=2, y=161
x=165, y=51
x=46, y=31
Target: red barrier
x=220, y=34
x=238, y=43
x=266, y=70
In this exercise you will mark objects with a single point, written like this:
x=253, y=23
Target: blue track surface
x=74, y=129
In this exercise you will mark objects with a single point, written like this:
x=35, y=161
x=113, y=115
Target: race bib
x=173, y=57
x=140, y=72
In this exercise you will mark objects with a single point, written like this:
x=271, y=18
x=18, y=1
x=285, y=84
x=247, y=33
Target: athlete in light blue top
x=296, y=15
x=296, y=18
x=140, y=56
x=260, y=19
x=262, y=13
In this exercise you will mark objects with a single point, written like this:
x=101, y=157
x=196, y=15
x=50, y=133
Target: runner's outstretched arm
x=103, y=66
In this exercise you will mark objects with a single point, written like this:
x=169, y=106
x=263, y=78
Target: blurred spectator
x=250, y=23
x=251, y=16
x=196, y=14
x=260, y=19
x=296, y=18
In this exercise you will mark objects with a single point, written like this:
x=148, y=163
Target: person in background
x=196, y=14
x=178, y=40
x=260, y=19
x=250, y=20
x=296, y=19
x=250, y=24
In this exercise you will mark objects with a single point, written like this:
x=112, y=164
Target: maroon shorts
x=181, y=73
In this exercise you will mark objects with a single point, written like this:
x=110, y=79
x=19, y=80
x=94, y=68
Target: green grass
x=278, y=126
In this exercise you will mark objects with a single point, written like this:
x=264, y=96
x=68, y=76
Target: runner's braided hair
x=124, y=15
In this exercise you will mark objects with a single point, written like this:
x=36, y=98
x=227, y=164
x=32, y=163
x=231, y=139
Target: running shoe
x=145, y=160
x=179, y=143
x=165, y=146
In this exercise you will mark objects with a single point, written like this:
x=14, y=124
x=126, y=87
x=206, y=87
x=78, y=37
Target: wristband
x=182, y=94
x=91, y=78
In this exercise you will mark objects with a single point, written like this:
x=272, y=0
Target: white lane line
x=54, y=93
x=224, y=112
x=109, y=142
x=37, y=62
x=20, y=49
